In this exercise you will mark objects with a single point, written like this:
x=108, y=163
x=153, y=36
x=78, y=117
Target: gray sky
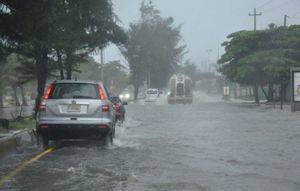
x=206, y=23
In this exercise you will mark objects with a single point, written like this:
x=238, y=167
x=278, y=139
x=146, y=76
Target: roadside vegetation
x=40, y=40
x=154, y=48
x=262, y=59
x=26, y=123
x=20, y=124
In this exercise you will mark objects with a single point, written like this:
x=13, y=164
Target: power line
x=279, y=6
x=295, y=15
x=266, y=3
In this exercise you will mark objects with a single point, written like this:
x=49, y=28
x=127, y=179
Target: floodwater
x=205, y=146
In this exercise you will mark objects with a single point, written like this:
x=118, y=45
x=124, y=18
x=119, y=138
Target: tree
x=153, y=49
x=191, y=70
x=43, y=30
x=115, y=75
x=3, y=54
x=261, y=58
x=82, y=27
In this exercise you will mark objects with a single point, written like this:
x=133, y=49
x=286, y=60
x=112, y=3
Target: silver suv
x=75, y=110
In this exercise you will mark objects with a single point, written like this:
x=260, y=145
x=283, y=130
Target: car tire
x=123, y=117
x=113, y=133
x=108, y=139
x=44, y=141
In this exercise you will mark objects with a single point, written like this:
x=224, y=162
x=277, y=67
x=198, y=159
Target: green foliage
x=115, y=76
x=153, y=48
x=262, y=57
x=16, y=67
x=189, y=69
x=27, y=123
x=56, y=34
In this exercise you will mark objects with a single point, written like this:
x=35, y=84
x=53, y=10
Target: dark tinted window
x=74, y=91
x=180, y=90
x=106, y=91
x=115, y=100
x=152, y=92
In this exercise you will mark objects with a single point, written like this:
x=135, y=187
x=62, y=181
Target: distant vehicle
x=152, y=95
x=75, y=110
x=125, y=95
x=180, y=89
x=119, y=108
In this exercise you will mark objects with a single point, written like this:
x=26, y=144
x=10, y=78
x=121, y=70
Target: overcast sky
x=206, y=23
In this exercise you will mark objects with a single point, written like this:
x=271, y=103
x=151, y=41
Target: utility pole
x=218, y=53
x=285, y=20
x=149, y=80
x=254, y=15
x=102, y=64
x=282, y=89
x=208, y=51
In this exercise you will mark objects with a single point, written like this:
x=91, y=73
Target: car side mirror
x=124, y=103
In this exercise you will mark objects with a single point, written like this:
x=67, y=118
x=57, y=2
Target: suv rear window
x=74, y=91
x=152, y=92
x=115, y=100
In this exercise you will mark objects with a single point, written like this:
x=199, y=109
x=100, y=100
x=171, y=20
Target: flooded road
x=208, y=146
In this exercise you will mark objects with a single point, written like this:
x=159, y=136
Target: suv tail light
x=44, y=126
x=103, y=126
x=46, y=96
x=48, y=92
x=42, y=106
x=105, y=108
x=101, y=93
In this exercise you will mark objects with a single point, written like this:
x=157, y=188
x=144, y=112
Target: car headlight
x=127, y=96
x=121, y=96
x=169, y=93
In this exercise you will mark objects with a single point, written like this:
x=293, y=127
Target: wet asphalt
x=205, y=146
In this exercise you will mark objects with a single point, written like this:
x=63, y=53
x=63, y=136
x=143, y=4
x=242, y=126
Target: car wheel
x=44, y=140
x=113, y=133
x=108, y=139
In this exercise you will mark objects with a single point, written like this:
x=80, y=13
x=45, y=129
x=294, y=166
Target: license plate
x=74, y=108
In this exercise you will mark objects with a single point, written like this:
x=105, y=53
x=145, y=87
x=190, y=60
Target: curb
x=15, y=140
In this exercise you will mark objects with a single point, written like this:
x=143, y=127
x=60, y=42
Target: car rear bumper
x=56, y=131
x=151, y=100
x=179, y=99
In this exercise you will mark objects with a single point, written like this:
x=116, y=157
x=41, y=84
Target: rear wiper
x=82, y=97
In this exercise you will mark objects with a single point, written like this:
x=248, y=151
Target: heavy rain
x=149, y=95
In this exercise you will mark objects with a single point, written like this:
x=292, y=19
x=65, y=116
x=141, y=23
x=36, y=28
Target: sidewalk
x=14, y=139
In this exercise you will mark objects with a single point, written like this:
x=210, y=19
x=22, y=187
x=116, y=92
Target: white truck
x=180, y=89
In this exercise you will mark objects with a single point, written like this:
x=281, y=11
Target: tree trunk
x=270, y=92
x=285, y=86
x=1, y=99
x=255, y=92
x=42, y=71
x=281, y=95
x=235, y=91
x=60, y=65
x=15, y=95
x=24, y=101
x=69, y=64
x=136, y=92
x=264, y=92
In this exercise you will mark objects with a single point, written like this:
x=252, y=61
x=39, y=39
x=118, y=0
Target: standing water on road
x=208, y=146
x=150, y=95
